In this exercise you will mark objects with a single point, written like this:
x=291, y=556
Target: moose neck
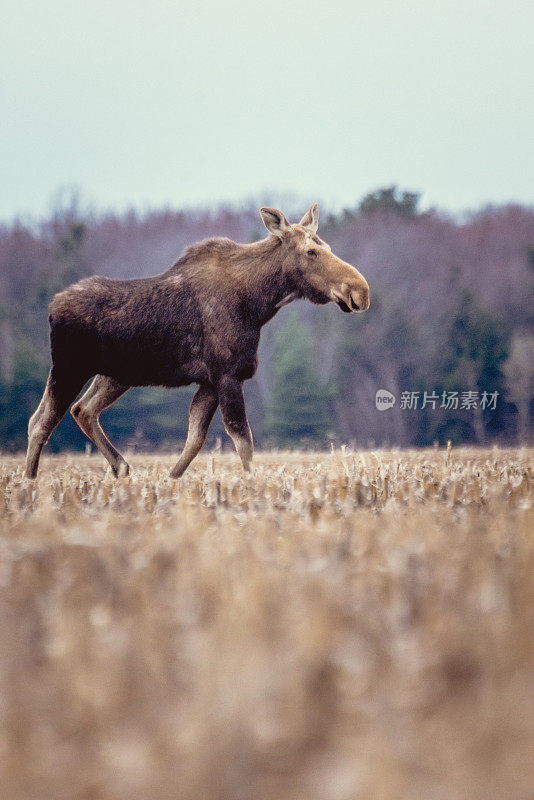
x=265, y=284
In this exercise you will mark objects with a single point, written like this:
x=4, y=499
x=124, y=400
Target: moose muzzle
x=351, y=299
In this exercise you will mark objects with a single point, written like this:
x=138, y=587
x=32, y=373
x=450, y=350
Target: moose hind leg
x=86, y=413
x=203, y=407
x=234, y=415
x=59, y=393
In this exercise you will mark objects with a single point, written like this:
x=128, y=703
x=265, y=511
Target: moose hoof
x=122, y=470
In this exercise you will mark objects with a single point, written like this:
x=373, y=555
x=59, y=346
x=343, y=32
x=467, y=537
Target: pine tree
x=299, y=409
x=472, y=357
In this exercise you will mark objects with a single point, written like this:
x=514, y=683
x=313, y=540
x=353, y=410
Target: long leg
x=60, y=391
x=234, y=415
x=203, y=407
x=86, y=412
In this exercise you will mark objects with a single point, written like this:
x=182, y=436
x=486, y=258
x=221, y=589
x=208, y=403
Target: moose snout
x=360, y=300
x=360, y=294
x=352, y=298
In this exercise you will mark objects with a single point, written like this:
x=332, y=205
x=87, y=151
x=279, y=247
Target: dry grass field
x=335, y=626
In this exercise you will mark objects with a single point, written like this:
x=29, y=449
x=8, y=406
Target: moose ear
x=275, y=221
x=311, y=218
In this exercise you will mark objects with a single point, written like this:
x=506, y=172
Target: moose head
x=317, y=274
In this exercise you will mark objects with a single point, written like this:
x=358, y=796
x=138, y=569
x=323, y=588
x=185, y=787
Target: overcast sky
x=189, y=103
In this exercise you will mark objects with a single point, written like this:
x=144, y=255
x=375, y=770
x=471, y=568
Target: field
x=334, y=626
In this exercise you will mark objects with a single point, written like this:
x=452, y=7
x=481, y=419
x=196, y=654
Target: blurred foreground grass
x=333, y=627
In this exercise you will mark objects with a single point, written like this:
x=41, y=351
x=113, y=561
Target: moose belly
x=141, y=363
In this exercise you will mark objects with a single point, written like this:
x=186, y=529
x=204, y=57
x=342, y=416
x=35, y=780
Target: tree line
x=450, y=332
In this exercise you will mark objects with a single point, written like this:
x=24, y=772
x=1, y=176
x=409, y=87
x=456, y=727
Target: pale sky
x=190, y=103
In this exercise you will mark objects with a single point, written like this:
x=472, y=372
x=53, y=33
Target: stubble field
x=334, y=626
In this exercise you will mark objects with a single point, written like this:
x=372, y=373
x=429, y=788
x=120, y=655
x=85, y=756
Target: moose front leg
x=203, y=407
x=232, y=402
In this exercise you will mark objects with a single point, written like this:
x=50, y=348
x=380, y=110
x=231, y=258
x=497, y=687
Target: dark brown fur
x=198, y=322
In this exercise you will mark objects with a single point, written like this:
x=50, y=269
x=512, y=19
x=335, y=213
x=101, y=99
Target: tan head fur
x=319, y=275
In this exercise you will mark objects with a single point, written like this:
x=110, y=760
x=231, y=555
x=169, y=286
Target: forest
x=450, y=332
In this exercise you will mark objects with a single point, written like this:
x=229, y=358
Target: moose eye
x=312, y=253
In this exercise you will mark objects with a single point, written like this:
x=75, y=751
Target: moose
x=199, y=322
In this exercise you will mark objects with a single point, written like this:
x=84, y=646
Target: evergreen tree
x=471, y=359
x=519, y=371
x=299, y=409
x=389, y=199
x=20, y=396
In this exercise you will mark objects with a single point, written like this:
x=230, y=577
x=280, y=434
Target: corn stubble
x=334, y=626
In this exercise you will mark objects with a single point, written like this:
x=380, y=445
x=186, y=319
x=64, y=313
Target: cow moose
x=199, y=322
